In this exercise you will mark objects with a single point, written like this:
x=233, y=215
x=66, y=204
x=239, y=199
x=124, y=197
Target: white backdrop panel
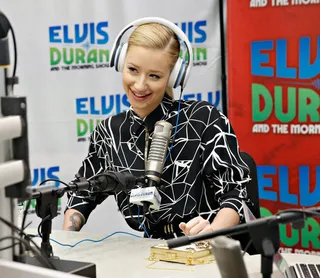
x=63, y=102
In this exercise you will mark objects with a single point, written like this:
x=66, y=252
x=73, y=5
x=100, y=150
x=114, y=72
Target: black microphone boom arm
x=106, y=182
x=284, y=217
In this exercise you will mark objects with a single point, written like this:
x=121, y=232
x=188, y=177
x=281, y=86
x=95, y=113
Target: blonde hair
x=160, y=37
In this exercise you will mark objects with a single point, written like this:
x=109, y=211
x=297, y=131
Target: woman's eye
x=153, y=76
x=132, y=69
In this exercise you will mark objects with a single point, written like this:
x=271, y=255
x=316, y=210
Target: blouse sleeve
x=83, y=200
x=222, y=165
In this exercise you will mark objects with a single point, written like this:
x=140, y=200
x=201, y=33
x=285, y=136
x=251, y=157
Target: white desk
x=126, y=256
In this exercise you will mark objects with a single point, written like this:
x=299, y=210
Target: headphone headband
x=166, y=23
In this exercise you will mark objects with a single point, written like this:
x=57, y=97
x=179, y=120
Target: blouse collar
x=156, y=115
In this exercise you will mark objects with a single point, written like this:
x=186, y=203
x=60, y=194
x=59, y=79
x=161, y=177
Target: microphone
x=227, y=253
x=106, y=182
x=158, y=150
x=149, y=196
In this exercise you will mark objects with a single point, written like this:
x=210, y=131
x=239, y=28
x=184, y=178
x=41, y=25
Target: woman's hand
x=196, y=226
x=225, y=218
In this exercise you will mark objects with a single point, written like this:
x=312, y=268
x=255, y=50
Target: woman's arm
x=73, y=220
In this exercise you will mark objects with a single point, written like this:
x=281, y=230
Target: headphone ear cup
x=177, y=73
x=120, y=57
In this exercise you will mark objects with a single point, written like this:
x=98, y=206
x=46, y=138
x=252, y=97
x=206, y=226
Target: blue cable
x=91, y=240
x=177, y=122
x=143, y=227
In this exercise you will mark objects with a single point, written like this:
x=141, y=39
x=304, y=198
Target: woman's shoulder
x=114, y=121
x=198, y=108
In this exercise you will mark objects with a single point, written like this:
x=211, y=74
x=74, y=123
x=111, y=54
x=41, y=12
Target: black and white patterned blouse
x=203, y=173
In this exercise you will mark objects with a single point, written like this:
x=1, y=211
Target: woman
x=204, y=178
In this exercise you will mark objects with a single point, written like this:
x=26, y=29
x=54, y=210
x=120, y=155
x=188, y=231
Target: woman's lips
x=139, y=96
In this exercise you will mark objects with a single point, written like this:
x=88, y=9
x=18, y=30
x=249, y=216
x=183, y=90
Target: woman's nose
x=140, y=84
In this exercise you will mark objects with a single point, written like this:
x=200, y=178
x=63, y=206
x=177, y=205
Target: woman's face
x=145, y=76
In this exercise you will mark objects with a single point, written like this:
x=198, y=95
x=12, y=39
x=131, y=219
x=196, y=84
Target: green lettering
x=258, y=114
x=291, y=113
x=285, y=238
x=65, y=56
x=265, y=212
x=80, y=56
x=92, y=56
x=203, y=52
x=103, y=56
x=55, y=56
x=309, y=103
x=310, y=234
x=82, y=127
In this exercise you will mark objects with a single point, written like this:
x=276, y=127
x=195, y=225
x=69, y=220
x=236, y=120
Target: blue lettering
x=102, y=33
x=51, y=174
x=217, y=98
x=38, y=175
x=308, y=70
x=53, y=33
x=108, y=104
x=199, y=31
x=281, y=61
x=93, y=110
x=308, y=198
x=189, y=96
x=81, y=106
x=215, y=101
x=41, y=174
x=188, y=28
x=118, y=104
x=264, y=182
x=285, y=196
x=92, y=33
x=257, y=58
x=66, y=39
x=104, y=109
x=125, y=100
x=80, y=38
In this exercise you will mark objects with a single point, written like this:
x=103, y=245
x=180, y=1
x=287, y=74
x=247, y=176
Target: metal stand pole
x=223, y=59
x=6, y=207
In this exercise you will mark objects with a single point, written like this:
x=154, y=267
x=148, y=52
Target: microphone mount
x=47, y=197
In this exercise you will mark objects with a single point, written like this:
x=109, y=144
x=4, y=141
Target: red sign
x=273, y=105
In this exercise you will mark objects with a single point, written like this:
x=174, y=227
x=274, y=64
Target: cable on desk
x=42, y=259
x=90, y=240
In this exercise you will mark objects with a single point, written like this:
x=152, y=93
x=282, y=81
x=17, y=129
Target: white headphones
x=181, y=70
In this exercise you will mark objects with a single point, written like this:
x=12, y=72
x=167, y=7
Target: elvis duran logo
x=286, y=99
x=79, y=46
x=307, y=195
x=87, y=45
x=91, y=110
x=196, y=33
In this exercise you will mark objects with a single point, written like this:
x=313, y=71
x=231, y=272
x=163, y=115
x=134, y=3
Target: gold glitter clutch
x=192, y=254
